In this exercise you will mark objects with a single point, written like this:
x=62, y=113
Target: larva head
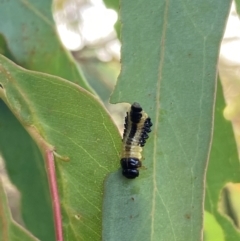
x=130, y=173
x=135, y=113
x=136, y=107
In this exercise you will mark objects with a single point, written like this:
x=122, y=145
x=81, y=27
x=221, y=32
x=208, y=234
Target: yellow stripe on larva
x=131, y=147
x=137, y=126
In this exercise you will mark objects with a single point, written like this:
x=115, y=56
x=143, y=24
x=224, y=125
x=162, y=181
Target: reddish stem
x=54, y=193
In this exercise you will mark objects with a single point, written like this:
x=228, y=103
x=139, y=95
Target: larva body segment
x=137, y=126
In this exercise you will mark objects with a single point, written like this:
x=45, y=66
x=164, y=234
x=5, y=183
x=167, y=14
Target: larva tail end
x=130, y=163
x=130, y=173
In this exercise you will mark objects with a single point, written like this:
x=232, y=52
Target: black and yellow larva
x=136, y=128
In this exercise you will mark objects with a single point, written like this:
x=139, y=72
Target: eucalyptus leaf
x=70, y=122
x=10, y=230
x=169, y=58
x=25, y=167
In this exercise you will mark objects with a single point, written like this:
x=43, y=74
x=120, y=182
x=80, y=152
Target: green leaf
x=212, y=229
x=66, y=119
x=10, y=230
x=169, y=58
x=25, y=167
x=31, y=36
x=28, y=36
x=24, y=164
x=223, y=168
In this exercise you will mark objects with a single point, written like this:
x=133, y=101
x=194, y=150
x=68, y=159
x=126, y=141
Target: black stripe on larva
x=127, y=148
x=125, y=125
x=132, y=131
x=135, y=113
x=146, y=129
x=130, y=165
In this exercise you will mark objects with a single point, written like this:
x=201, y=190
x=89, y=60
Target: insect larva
x=137, y=125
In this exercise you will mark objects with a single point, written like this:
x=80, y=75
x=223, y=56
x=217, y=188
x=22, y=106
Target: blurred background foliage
x=91, y=31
